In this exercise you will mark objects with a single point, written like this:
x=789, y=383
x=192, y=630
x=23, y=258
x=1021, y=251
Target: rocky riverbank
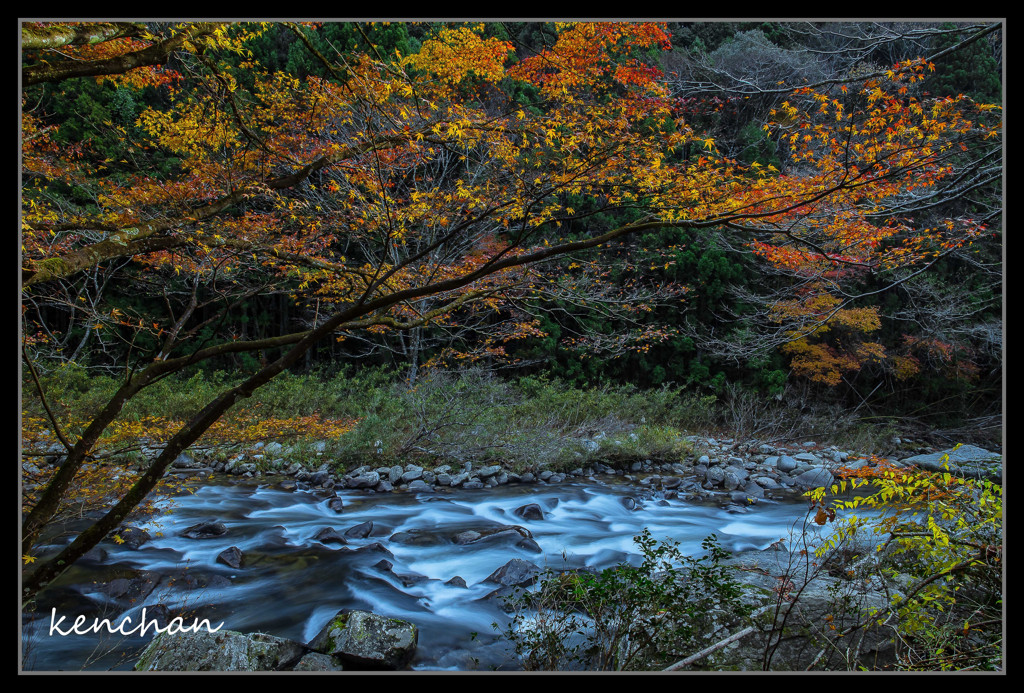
x=746, y=470
x=732, y=473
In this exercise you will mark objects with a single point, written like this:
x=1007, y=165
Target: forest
x=523, y=246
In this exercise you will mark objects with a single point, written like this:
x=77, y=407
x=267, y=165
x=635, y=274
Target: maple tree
x=396, y=192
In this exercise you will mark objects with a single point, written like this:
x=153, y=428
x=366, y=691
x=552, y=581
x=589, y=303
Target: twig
x=708, y=650
x=42, y=398
x=720, y=644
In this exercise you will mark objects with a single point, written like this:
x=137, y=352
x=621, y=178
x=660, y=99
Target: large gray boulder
x=968, y=461
x=816, y=477
x=368, y=640
x=224, y=650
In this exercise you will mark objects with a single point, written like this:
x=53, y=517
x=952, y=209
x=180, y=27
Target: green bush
x=627, y=617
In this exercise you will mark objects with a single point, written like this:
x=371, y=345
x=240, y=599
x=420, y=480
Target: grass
x=527, y=424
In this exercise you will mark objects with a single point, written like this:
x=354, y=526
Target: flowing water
x=290, y=585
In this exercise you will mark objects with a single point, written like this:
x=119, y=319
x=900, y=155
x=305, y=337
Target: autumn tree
x=402, y=191
x=746, y=81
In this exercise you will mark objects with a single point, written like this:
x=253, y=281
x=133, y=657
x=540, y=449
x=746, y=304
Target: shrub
x=941, y=549
x=627, y=617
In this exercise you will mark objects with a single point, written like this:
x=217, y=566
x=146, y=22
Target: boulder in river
x=207, y=529
x=967, y=461
x=328, y=535
x=368, y=640
x=360, y=531
x=815, y=477
x=418, y=537
x=132, y=537
x=223, y=650
x=516, y=572
x=530, y=511
x=132, y=589
x=231, y=556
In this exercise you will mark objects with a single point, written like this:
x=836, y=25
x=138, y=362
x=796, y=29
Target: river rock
x=368, y=640
x=734, y=477
x=488, y=471
x=417, y=537
x=528, y=544
x=530, y=511
x=224, y=650
x=814, y=478
x=766, y=482
x=231, y=556
x=966, y=461
x=411, y=579
x=715, y=476
x=365, y=480
x=466, y=537
x=375, y=547
x=186, y=461
x=191, y=580
x=754, y=490
x=506, y=536
x=133, y=537
x=671, y=482
x=316, y=661
x=133, y=589
x=207, y=529
x=743, y=498
x=786, y=463
x=360, y=531
x=328, y=535
x=515, y=573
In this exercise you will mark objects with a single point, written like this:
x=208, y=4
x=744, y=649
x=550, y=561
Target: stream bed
x=290, y=584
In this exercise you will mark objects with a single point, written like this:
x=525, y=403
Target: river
x=290, y=584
